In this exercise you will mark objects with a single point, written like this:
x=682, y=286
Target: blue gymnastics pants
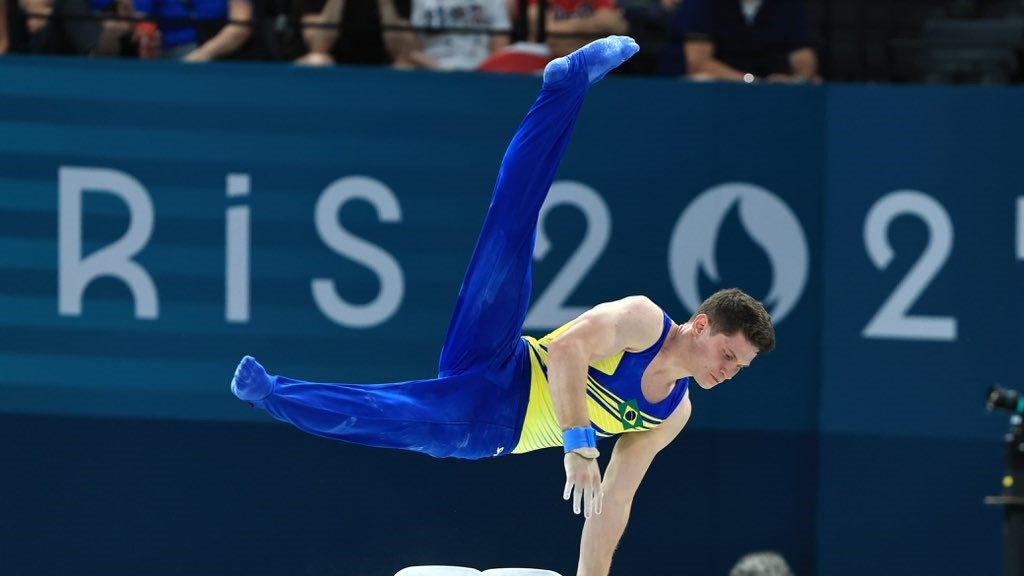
x=475, y=407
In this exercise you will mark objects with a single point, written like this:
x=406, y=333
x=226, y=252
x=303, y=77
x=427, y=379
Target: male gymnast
x=622, y=367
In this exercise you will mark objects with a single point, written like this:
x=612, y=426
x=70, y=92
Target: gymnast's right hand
x=583, y=484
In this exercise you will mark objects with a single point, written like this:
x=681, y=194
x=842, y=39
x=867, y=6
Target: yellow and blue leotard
x=615, y=401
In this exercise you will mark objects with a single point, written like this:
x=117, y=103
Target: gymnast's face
x=718, y=357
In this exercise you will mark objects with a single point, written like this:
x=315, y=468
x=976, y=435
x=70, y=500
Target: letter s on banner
x=383, y=264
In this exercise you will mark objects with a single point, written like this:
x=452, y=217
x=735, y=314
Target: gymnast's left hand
x=583, y=484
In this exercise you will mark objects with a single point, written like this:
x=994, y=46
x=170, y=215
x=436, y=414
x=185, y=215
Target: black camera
x=1003, y=399
x=1012, y=497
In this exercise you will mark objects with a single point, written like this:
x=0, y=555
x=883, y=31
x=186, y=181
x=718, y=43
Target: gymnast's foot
x=600, y=57
x=251, y=382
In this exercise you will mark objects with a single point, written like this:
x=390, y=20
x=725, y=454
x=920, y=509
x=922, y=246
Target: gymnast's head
x=729, y=329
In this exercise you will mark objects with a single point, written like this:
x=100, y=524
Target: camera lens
x=1003, y=399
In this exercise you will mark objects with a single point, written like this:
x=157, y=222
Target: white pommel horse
x=464, y=571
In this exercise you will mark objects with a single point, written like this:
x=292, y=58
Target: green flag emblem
x=629, y=414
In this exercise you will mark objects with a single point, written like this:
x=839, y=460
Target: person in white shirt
x=448, y=34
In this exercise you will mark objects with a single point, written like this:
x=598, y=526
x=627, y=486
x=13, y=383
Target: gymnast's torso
x=615, y=399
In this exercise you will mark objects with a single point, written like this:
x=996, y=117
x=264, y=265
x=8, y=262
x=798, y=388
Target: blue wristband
x=574, y=438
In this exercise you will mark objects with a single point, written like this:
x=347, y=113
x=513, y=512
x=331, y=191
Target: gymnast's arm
x=631, y=457
x=633, y=323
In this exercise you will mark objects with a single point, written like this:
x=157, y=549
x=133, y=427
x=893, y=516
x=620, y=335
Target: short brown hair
x=732, y=310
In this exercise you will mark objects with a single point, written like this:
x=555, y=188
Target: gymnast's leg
x=431, y=416
x=492, y=303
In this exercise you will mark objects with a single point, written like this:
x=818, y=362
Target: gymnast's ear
x=700, y=323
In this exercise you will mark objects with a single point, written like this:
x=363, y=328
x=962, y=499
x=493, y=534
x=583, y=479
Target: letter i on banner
x=236, y=254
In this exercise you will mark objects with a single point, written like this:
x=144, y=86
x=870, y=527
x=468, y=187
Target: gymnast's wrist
x=580, y=441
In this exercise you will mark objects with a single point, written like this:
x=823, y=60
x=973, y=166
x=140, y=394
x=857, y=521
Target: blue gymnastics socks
x=599, y=57
x=251, y=382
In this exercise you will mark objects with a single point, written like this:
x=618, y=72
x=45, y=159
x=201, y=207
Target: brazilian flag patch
x=629, y=414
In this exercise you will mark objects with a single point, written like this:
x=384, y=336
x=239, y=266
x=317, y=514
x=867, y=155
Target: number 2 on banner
x=893, y=320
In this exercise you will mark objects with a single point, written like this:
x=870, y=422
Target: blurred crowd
x=735, y=40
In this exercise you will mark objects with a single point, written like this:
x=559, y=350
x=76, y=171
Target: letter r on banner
x=76, y=271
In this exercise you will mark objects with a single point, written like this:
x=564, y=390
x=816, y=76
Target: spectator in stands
x=761, y=564
x=197, y=31
x=13, y=29
x=572, y=23
x=437, y=41
x=4, y=34
x=320, y=31
x=568, y=24
x=395, y=20
x=337, y=31
x=51, y=33
x=743, y=40
x=648, y=22
x=231, y=39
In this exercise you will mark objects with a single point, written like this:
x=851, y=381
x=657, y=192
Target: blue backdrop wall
x=159, y=221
